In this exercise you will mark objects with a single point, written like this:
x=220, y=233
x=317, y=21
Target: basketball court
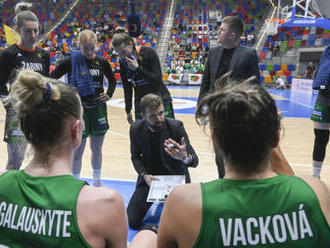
x=297, y=141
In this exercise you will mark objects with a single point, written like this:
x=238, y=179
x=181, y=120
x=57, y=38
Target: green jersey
x=39, y=211
x=282, y=211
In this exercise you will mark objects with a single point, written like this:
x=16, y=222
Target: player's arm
x=128, y=89
x=278, y=162
x=322, y=192
x=116, y=224
x=63, y=67
x=5, y=70
x=102, y=217
x=46, y=64
x=177, y=228
x=110, y=78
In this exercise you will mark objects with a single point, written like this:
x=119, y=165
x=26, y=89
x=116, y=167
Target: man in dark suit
x=229, y=56
x=232, y=57
x=159, y=146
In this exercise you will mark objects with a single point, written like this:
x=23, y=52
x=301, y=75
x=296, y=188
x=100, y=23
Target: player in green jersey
x=43, y=205
x=252, y=206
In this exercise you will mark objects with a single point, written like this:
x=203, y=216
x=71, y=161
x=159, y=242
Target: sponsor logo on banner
x=302, y=89
x=175, y=78
x=302, y=86
x=195, y=78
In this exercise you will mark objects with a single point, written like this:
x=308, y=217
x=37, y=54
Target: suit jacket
x=141, y=148
x=244, y=64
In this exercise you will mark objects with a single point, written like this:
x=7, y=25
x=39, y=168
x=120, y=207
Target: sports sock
x=96, y=174
x=317, y=166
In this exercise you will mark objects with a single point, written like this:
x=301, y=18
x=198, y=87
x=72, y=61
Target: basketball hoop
x=273, y=24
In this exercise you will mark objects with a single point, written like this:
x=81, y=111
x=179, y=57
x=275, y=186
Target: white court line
x=119, y=180
x=294, y=165
x=308, y=165
x=212, y=154
x=118, y=134
x=109, y=179
x=299, y=103
x=307, y=106
x=207, y=153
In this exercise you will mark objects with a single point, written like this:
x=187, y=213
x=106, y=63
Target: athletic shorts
x=321, y=113
x=168, y=108
x=96, y=120
x=13, y=133
x=169, y=111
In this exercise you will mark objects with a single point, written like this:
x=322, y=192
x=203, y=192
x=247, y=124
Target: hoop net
x=272, y=24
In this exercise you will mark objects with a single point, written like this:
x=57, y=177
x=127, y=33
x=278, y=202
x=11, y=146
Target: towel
x=80, y=76
x=322, y=75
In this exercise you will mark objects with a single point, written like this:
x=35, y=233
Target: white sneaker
x=97, y=183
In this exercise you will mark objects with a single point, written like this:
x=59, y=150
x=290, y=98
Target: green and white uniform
x=321, y=111
x=39, y=211
x=13, y=59
x=95, y=111
x=282, y=211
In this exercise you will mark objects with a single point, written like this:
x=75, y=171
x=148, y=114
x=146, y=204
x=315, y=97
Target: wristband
x=186, y=160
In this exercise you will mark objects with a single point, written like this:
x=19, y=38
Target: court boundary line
x=118, y=134
x=124, y=180
x=212, y=154
x=291, y=100
x=105, y=178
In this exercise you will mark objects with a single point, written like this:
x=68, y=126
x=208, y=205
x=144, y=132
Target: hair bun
x=28, y=89
x=22, y=6
x=120, y=30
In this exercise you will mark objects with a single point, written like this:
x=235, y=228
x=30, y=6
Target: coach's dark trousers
x=138, y=206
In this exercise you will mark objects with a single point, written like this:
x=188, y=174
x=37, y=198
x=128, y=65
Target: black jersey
x=149, y=73
x=15, y=58
x=98, y=68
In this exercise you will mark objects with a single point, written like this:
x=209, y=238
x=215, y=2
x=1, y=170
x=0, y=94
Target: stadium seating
x=294, y=37
x=268, y=71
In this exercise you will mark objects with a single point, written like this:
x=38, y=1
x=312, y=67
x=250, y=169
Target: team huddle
x=256, y=202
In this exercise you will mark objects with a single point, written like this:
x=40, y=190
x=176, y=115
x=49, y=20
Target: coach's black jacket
x=141, y=149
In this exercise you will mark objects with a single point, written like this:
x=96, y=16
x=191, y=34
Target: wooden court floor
x=296, y=142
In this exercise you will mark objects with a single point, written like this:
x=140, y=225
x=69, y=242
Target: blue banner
x=307, y=22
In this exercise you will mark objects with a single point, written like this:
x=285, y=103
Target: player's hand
x=132, y=63
x=175, y=149
x=129, y=118
x=104, y=97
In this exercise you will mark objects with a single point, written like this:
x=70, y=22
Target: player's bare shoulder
x=2, y=172
x=99, y=197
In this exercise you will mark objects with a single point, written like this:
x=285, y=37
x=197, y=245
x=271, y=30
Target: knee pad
x=320, y=144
